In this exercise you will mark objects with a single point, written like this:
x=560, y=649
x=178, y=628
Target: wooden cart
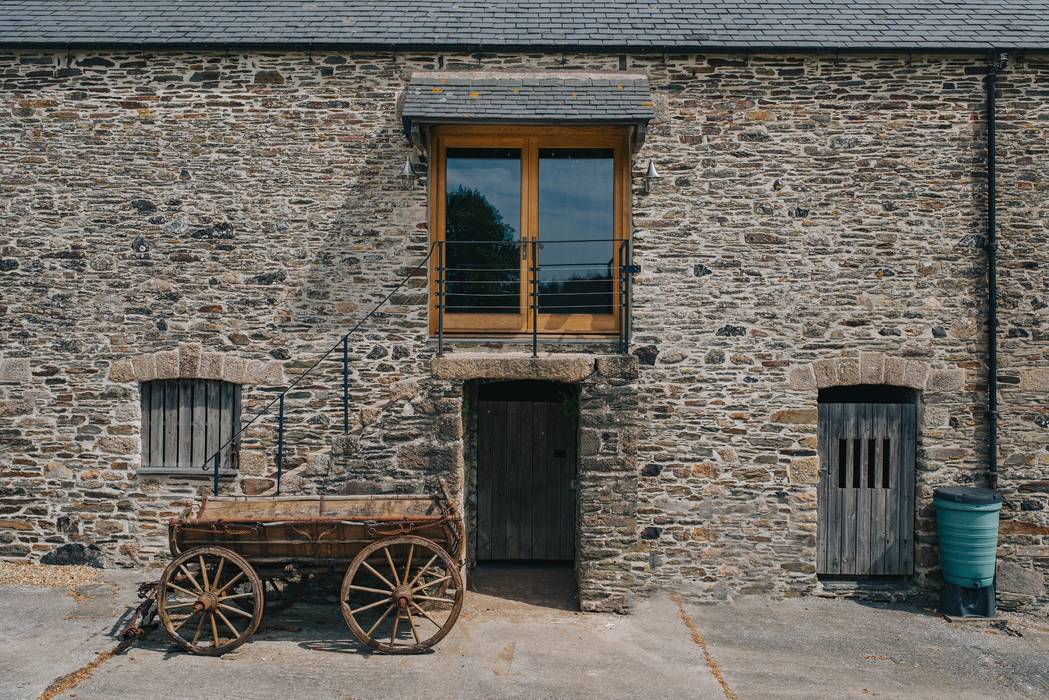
x=236, y=558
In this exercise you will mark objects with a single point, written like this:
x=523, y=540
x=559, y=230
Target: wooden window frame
x=529, y=139
x=184, y=421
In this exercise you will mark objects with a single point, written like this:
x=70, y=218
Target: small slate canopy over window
x=186, y=421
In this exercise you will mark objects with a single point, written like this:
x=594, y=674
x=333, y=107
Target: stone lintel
x=554, y=368
x=189, y=361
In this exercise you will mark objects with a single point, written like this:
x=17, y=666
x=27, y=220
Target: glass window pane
x=576, y=214
x=481, y=229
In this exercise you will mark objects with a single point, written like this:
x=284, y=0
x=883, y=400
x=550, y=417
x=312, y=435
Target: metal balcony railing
x=588, y=276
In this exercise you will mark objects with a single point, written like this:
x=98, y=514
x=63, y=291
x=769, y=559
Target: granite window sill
x=185, y=472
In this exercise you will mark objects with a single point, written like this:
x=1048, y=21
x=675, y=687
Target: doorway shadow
x=540, y=583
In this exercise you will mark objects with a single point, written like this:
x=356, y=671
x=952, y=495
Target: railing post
x=535, y=297
x=629, y=311
x=440, y=297
x=215, y=474
x=345, y=384
x=280, y=440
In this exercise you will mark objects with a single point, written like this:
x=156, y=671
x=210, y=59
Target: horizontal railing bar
x=541, y=242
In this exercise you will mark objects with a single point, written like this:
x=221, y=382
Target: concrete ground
x=518, y=637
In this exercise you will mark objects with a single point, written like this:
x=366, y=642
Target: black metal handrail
x=214, y=460
x=539, y=300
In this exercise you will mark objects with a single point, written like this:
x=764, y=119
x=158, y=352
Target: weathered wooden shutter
x=866, y=495
x=184, y=421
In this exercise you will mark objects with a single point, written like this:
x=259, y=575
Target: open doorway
x=525, y=461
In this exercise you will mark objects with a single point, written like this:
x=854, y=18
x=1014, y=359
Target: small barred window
x=186, y=421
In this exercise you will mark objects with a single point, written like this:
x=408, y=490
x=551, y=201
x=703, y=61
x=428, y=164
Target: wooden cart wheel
x=402, y=595
x=197, y=600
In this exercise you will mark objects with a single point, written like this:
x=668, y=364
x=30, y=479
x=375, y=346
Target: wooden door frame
x=529, y=139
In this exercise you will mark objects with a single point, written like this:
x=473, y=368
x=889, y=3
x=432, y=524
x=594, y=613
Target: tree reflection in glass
x=482, y=215
x=576, y=215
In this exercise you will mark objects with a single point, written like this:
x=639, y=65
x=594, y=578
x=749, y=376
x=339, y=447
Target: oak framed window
x=530, y=224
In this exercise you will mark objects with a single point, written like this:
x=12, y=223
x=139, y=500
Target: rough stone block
x=189, y=360
x=795, y=416
x=945, y=380
x=826, y=372
x=872, y=368
x=118, y=445
x=895, y=371
x=122, y=371
x=16, y=407
x=848, y=371
x=916, y=374
x=234, y=369
x=211, y=366
x=256, y=487
x=804, y=470
x=167, y=364
x=1013, y=578
x=618, y=366
x=15, y=369
x=802, y=378
x=145, y=367
x=1034, y=379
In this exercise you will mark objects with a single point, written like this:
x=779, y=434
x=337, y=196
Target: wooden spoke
x=196, y=634
x=408, y=565
x=215, y=610
x=383, y=617
x=183, y=620
x=369, y=606
x=376, y=573
x=182, y=590
x=230, y=583
x=230, y=608
x=393, y=569
x=214, y=629
x=422, y=571
x=381, y=633
x=204, y=572
x=426, y=615
x=411, y=623
x=396, y=622
x=192, y=579
x=237, y=596
x=370, y=590
x=431, y=583
x=225, y=621
x=218, y=572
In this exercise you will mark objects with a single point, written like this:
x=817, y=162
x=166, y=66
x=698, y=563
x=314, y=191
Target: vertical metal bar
x=345, y=384
x=628, y=320
x=535, y=297
x=215, y=474
x=280, y=440
x=621, y=304
x=440, y=297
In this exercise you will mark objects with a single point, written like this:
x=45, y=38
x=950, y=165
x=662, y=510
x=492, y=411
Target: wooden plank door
x=866, y=492
x=526, y=470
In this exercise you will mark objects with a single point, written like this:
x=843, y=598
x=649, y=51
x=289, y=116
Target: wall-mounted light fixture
x=409, y=176
x=651, y=175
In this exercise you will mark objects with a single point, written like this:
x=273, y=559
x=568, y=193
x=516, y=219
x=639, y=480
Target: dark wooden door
x=526, y=470
x=866, y=494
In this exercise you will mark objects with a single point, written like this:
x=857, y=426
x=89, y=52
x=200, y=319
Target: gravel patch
x=29, y=574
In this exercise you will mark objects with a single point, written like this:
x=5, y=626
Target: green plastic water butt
x=967, y=522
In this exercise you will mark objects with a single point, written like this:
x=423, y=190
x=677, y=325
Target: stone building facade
x=229, y=215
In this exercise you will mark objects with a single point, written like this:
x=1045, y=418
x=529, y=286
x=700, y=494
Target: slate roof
x=521, y=98
x=603, y=25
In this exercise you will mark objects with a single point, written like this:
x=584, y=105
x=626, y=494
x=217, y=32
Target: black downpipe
x=991, y=244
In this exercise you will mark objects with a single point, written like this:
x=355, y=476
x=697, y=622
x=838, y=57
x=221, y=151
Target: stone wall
x=819, y=215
